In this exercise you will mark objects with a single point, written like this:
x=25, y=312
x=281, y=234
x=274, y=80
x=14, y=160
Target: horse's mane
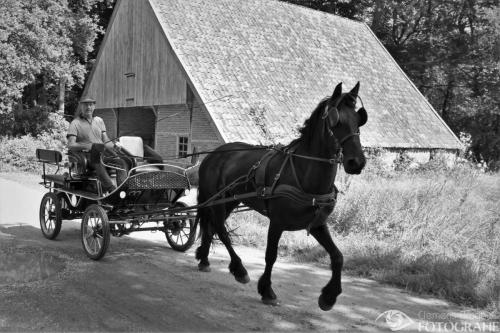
x=310, y=125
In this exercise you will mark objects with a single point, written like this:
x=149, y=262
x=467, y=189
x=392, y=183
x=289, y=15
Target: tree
x=352, y=9
x=44, y=46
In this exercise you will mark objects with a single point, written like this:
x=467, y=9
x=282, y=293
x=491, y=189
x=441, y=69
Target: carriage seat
x=135, y=146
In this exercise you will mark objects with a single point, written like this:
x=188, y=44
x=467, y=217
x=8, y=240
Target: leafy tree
x=44, y=48
x=450, y=50
x=352, y=9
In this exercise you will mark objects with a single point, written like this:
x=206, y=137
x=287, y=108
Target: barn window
x=183, y=146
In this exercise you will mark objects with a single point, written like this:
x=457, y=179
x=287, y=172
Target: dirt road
x=143, y=285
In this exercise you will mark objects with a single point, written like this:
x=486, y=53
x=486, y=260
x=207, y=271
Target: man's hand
x=110, y=149
x=95, y=152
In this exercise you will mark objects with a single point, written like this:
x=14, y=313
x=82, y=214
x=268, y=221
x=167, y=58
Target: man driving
x=86, y=130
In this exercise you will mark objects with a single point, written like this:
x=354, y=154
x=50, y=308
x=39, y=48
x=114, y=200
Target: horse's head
x=342, y=123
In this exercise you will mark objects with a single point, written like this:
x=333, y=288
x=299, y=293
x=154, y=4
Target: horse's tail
x=203, y=217
x=196, y=223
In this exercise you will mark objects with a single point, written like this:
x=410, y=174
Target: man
x=86, y=130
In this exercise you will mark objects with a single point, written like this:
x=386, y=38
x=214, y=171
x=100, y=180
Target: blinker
x=363, y=116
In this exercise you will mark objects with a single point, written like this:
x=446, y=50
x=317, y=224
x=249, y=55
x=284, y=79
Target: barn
x=198, y=73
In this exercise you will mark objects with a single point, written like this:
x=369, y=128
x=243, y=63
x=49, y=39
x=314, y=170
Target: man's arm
x=107, y=142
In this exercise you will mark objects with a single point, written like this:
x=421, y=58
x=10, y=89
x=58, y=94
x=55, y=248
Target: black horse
x=293, y=186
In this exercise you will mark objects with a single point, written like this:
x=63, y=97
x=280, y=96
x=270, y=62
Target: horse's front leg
x=264, y=286
x=333, y=288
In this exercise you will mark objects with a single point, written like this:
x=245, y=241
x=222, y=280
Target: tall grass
x=432, y=230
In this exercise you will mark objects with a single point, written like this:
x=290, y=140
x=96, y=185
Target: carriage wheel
x=182, y=234
x=95, y=232
x=50, y=215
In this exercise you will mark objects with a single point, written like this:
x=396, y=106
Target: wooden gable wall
x=135, y=65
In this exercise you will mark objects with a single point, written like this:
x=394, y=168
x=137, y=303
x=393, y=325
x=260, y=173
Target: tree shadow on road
x=157, y=279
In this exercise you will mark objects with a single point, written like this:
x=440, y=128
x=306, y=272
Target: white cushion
x=133, y=144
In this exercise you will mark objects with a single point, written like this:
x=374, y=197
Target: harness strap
x=278, y=175
x=260, y=176
x=261, y=168
x=337, y=159
x=321, y=203
x=294, y=172
x=302, y=198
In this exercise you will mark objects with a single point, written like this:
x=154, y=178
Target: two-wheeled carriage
x=147, y=200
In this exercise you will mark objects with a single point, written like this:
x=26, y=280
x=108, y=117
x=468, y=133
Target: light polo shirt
x=85, y=131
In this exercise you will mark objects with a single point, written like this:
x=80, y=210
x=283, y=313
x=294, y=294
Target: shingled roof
x=273, y=62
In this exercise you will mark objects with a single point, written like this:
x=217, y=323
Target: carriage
x=147, y=200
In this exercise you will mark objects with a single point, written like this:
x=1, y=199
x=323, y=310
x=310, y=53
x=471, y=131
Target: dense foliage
x=449, y=48
x=44, y=58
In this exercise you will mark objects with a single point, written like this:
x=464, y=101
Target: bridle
x=329, y=126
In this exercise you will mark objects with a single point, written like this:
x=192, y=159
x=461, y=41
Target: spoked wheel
x=181, y=234
x=95, y=232
x=50, y=215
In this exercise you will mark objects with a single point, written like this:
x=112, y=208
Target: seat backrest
x=133, y=144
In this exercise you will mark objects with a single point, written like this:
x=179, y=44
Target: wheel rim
x=180, y=234
x=50, y=215
x=93, y=238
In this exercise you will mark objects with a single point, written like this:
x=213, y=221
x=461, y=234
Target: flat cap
x=87, y=100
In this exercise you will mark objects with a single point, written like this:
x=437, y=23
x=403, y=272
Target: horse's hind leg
x=206, y=240
x=264, y=286
x=333, y=288
x=235, y=266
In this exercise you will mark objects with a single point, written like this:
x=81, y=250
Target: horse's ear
x=363, y=116
x=337, y=92
x=355, y=90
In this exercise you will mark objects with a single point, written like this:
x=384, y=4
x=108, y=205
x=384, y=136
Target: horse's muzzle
x=354, y=165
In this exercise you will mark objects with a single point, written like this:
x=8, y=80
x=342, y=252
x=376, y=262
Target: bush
x=19, y=153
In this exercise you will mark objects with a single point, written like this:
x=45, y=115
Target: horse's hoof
x=324, y=305
x=244, y=279
x=270, y=301
x=204, y=268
